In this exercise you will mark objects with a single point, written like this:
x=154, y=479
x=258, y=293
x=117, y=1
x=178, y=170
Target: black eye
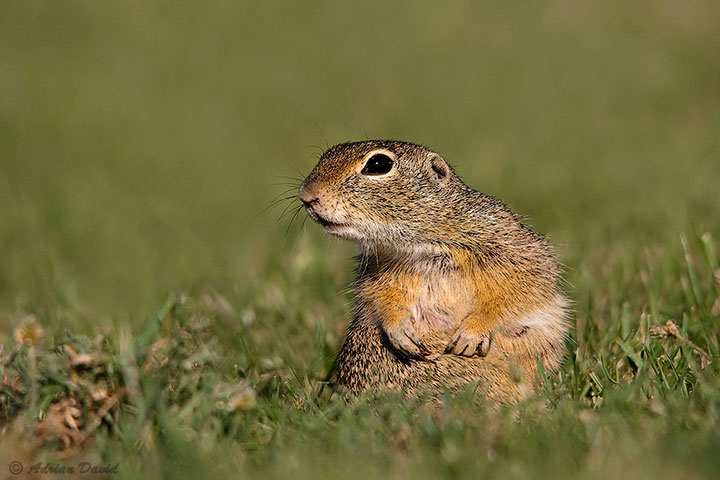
x=378, y=164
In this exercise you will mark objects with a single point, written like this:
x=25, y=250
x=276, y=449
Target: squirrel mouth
x=330, y=227
x=327, y=224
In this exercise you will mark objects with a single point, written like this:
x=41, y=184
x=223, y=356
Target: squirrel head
x=384, y=194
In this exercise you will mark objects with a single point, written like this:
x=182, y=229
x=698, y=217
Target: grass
x=150, y=317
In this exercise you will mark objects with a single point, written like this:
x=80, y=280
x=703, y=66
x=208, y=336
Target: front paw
x=405, y=339
x=468, y=343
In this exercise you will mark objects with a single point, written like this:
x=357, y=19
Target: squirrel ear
x=439, y=169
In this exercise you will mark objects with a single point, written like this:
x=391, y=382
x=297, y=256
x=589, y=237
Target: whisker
x=315, y=155
x=286, y=177
x=279, y=195
x=319, y=148
x=285, y=210
x=297, y=235
x=284, y=192
x=274, y=203
x=292, y=219
x=277, y=198
x=323, y=134
x=294, y=168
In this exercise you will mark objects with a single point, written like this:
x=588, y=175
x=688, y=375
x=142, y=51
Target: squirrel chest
x=436, y=299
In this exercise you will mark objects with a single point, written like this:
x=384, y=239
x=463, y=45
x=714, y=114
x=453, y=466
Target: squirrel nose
x=307, y=195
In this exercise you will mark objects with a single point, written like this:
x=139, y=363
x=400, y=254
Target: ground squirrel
x=451, y=286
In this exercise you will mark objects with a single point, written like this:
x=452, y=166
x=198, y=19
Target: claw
x=451, y=345
x=483, y=347
x=419, y=343
x=406, y=341
x=467, y=344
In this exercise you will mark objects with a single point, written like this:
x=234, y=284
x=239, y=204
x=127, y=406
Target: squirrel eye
x=378, y=164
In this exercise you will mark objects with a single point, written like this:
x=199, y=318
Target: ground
x=154, y=315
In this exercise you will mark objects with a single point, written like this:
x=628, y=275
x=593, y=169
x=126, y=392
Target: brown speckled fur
x=452, y=288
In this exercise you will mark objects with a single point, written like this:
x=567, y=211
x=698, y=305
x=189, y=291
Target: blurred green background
x=140, y=140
